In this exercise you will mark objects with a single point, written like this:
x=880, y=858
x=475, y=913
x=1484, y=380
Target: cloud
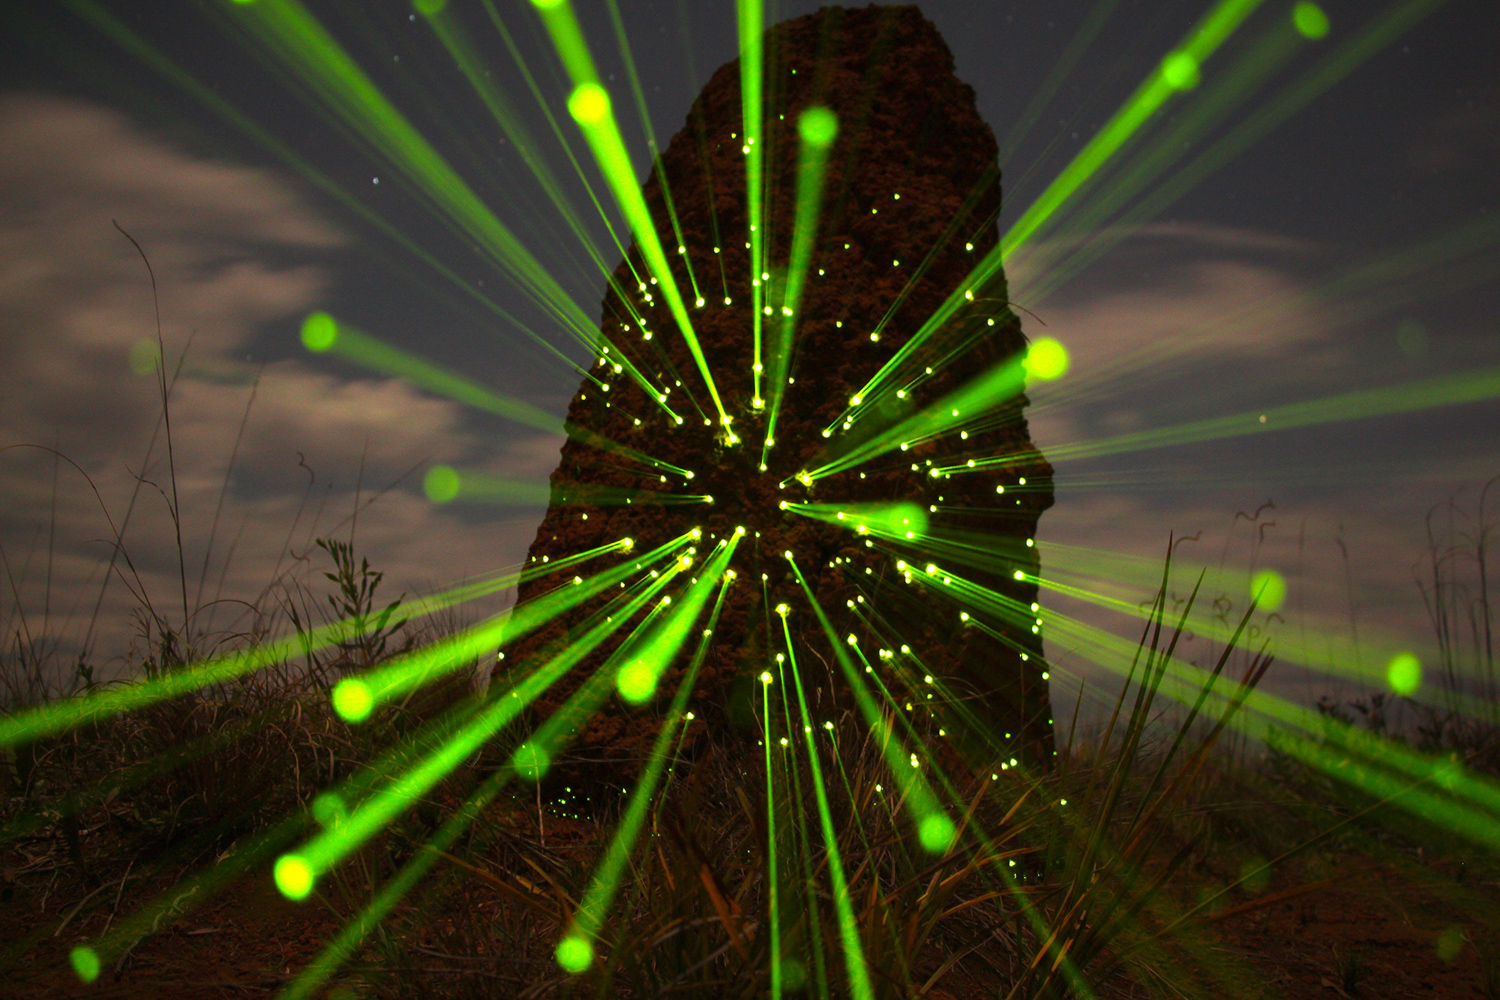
x=236, y=252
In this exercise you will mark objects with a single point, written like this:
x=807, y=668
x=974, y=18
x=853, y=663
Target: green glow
x=329, y=809
x=750, y=17
x=352, y=699
x=1180, y=70
x=319, y=332
x=531, y=761
x=1268, y=588
x=773, y=884
x=294, y=876
x=1152, y=93
x=1404, y=674
x=901, y=522
x=410, y=671
x=575, y=954
x=301, y=42
x=441, y=483
x=85, y=961
x=638, y=678
x=589, y=105
x=818, y=126
x=854, y=958
x=1310, y=19
x=1046, y=359
x=429, y=8
x=921, y=802
x=593, y=909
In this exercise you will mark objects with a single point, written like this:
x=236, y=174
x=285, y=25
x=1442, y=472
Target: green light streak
x=897, y=521
x=1444, y=390
x=1384, y=29
x=291, y=32
x=322, y=333
x=854, y=959
x=594, y=907
x=751, y=21
x=1177, y=70
x=661, y=173
x=590, y=107
x=818, y=127
x=773, y=885
x=444, y=484
x=935, y=830
x=295, y=874
x=355, y=697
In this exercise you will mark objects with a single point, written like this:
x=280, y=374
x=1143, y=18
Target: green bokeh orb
x=1268, y=588
x=441, y=483
x=319, y=332
x=144, y=356
x=294, y=876
x=1310, y=20
x=1046, y=359
x=936, y=832
x=1180, y=70
x=352, y=699
x=818, y=126
x=85, y=962
x=637, y=682
x=574, y=954
x=1404, y=674
x=429, y=8
x=589, y=104
x=531, y=761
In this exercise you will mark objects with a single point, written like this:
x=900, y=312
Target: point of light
x=818, y=126
x=589, y=103
x=1180, y=70
x=319, y=332
x=765, y=677
x=352, y=699
x=441, y=484
x=1404, y=674
x=1310, y=20
x=1046, y=359
x=294, y=876
x=1268, y=587
x=574, y=954
x=85, y=962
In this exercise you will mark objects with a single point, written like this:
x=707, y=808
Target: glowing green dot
x=85, y=962
x=936, y=832
x=1180, y=70
x=637, y=682
x=1046, y=359
x=1404, y=674
x=531, y=761
x=352, y=699
x=574, y=954
x=589, y=104
x=429, y=8
x=1450, y=943
x=319, y=332
x=294, y=876
x=818, y=126
x=1268, y=587
x=1310, y=20
x=441, y=483
x=144, y=356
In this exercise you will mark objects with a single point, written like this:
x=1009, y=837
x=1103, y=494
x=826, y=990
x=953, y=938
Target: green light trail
x=773, y=885
x=444, y=484
x=1444, y=390
x=295, y=874
x=818, y=127
x=1177, y=71
x=594, y=906
x=897, y=521
x=639, y=93
x=1384, y=29
x=356, y=697
x=935, y=830
x=45, y=720
x=321, y=333
x=751, y=21
x=291, y=32
x=854, y=958
x=590, y=107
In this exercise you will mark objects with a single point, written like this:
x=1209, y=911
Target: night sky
x=1354, y=246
